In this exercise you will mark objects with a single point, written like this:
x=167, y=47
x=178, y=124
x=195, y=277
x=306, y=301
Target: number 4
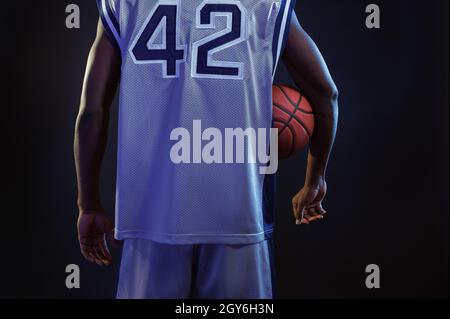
x=163, y=20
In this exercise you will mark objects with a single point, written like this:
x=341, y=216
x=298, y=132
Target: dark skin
x=308, y=71
x=100, y=85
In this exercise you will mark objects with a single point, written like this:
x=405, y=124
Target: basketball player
x=193, y=231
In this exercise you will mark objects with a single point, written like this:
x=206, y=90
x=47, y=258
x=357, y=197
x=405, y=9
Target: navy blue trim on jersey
x=269, y=202
x=276, y=34
x=269, y=210
x=288, y=24
x=281, y=29
x=109, y=21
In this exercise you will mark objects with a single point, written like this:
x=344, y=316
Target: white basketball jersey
x=187, y=63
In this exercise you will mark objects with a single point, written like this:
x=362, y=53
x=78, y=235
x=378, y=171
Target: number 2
x=234, y=33
x=164, y=20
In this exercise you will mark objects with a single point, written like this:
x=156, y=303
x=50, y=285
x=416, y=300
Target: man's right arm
x=100, y=84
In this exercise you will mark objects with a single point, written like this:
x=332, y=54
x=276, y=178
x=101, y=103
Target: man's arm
x=309, y=72
x=100, y=84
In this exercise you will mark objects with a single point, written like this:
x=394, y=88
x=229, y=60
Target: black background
x=388, y=178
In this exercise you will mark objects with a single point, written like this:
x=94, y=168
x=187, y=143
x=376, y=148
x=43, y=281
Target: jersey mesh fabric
x=190, y=203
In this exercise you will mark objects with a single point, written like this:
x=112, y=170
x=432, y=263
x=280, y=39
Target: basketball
x=294, y=119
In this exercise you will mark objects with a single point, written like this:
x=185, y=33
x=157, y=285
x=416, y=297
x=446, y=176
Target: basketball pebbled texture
x=294, y=118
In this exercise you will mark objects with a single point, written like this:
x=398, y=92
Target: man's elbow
x=327, y=92
x=322, y=92
x=333, y=93
x=324, y=100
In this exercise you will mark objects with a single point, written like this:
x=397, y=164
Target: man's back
x=188, y=66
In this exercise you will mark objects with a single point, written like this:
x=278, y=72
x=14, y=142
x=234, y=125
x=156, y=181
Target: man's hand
x=94, y=228
x=307, y=204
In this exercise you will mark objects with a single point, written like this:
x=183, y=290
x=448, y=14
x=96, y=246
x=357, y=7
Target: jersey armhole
x=110, y=22
x=282, y=28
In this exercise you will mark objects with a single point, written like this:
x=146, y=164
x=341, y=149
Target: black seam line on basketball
x=293, y=103
x=284, y=127
x=291, y=149
x=289, y=98
x=294, y=117
x=296, y=106
x=290, y=119
x=297, y=109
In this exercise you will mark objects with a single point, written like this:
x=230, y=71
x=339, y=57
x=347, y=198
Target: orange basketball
x=294, y=118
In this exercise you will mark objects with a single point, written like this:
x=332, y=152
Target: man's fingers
x=303, y=221
x=295, y=207
x=299, y=208
x=108, y=229
x=315, y=218
x=307, y=205
x=89, y=250
x=87, y=253
x=313, y=214
x=97, y=258
x=105, y=261
x=104, y=251
x=93, y=230
x=316, y=209
x=94, y=258
x=319, y=209
x=300, y=217
x=309, y=215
